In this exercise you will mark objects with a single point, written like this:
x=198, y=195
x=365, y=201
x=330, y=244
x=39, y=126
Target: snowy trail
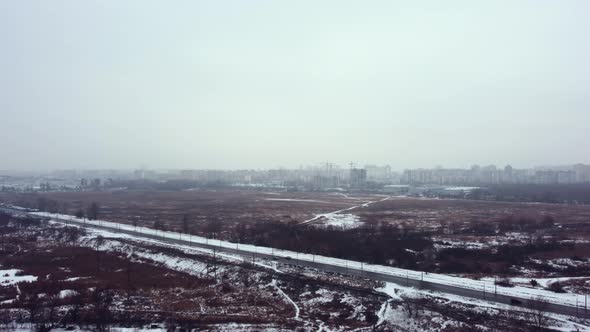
x=329, y=214
x=274, y=284
x=381, y=313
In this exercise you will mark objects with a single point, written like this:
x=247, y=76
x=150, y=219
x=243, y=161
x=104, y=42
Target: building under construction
x=358, y=178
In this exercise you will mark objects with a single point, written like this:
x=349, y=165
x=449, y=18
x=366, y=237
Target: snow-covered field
x=568, y=299
x=313, y=307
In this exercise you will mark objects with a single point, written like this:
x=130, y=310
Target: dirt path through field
x=327, y=215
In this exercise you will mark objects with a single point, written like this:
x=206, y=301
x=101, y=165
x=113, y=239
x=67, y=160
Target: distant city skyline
x=328, y=178
x=319, y=165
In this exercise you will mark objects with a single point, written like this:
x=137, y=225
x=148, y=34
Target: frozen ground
x=396, y=316
x=466, y=283
x=316, y=306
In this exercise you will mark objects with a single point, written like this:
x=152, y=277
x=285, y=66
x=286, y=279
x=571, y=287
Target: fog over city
x=261, y=84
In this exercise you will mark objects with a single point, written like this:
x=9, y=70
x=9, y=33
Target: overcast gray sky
x=249, y=84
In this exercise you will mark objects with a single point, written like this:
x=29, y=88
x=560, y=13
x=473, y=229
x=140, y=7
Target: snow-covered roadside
x=541, y=282
x=569, y=299
x=186, y=265
x=397, y=293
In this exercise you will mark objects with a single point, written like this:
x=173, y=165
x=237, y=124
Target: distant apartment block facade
x=579, y=173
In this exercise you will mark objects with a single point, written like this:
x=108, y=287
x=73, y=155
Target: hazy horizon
x=263, y=84
x=11, y=172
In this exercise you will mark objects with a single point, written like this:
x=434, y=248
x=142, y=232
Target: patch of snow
x=345, y=221
x=75, y=278
x=381, y=313
x=67, y=293
x=9, y=277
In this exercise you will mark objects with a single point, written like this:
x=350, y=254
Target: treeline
x=168, y=185
x=377, y=244
x=501, y=259
x=502, y=225
x=44, y=204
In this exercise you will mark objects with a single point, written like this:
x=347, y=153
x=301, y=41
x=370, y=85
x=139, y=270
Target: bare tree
x=536, y=311
x=413, y=305
x=159, y=225
x=508, y=320
x=52, y=206
x=130, y=287
x=213, y=227
x=42, y=203
x=185, y=224
x=48, y=314
x=80, y=214
x=101, y=300
x=371, y=318
x=73, y=315
x=31, y=302
x=71, y=235
x=93, y=211
x=4, y=220
x=99, y=242
x=5, y=321
x=65, y=208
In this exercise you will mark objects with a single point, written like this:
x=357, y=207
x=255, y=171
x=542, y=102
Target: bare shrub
x=536, y=313
x=413, y=305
